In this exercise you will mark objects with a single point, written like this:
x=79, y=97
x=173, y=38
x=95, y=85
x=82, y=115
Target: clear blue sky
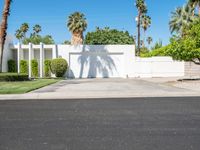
x=119, y=14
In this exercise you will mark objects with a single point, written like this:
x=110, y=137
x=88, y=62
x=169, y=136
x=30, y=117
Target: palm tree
x=141, y=7
x=24, y=29
x=195, y=3
x=142, y=43
x=3, y=29
x=181, y=18
x=146, y=22
x=37, y=29
x=149, y=40
x=77, y=24
x=19, y=35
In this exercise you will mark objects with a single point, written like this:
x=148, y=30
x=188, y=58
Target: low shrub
x=47, y=68
x=59, y=67
x=34, y=68
x=13, y=77
x=23, y=67
x=12, y=66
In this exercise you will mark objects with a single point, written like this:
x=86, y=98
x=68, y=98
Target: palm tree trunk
x=3, y=29
x=144, y=38
x=139, y=17
x=77, y=38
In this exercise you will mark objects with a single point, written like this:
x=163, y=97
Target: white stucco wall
x=158, y=67
x=91, y=61
x=7, y=54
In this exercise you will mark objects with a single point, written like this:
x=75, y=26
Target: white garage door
x=96, y=64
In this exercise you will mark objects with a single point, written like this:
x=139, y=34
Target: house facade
x=95, y=61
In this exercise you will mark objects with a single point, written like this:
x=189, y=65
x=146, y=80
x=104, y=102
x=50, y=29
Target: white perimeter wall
x=158, y=67
x=89, y=61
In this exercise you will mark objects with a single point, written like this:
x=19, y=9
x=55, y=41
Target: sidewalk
x=112, y=88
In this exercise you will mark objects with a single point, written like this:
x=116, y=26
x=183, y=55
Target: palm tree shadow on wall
x=98, y=60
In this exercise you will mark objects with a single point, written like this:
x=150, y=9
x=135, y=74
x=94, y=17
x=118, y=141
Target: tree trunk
x=3, y=29
x=77, y=38
x=139, y=17
x=144, y=39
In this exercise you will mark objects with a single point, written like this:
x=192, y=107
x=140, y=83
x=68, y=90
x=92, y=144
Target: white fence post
x=41, y=59
x=18, y=57
x=29, y=58
x=54, y=52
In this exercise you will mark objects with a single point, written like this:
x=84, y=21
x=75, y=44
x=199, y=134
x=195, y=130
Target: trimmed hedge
x=23, y=67
x=13, y=77
x=12, y=66
x=34, y=68
x=47, y=68
x=59, y=67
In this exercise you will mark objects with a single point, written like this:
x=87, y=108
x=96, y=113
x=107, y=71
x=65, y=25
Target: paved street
x=101, y=124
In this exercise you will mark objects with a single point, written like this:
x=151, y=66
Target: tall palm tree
x=3, y=28
x=149, y=40
x=77, y=24
x=24, y=29
x=141, y=7
x=195, y=3
x=146, y=23
x=181, y=18
x=19, y=35
x=37, y=29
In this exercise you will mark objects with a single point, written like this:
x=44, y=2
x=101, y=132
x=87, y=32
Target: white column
x=41, y=59
x=18, y=57
x=29, y=59
x=54, y=52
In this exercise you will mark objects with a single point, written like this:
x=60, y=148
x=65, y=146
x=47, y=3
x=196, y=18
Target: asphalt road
x=114, y=124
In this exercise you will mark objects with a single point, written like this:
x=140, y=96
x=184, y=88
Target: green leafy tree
x=48, y=39
x=77, y=24
x=108, y=36
x=34, y=37
x=67, y=42
x=39, y=39
x=157, y=45
x=188, y=47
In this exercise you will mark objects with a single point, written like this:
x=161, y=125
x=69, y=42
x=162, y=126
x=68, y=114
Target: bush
x=13, y=77
x=23, y=67
x=34, y=68
x=163, y=51
x=47, y=68
x=59, y=67
x=12, y=66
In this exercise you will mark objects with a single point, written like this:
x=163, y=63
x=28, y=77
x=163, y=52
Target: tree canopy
x=34, y=37
x=108, y=36
x=187, y=48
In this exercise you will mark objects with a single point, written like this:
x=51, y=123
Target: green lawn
x=24, y=86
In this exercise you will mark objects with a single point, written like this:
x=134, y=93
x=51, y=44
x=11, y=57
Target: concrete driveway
x=107, y=88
